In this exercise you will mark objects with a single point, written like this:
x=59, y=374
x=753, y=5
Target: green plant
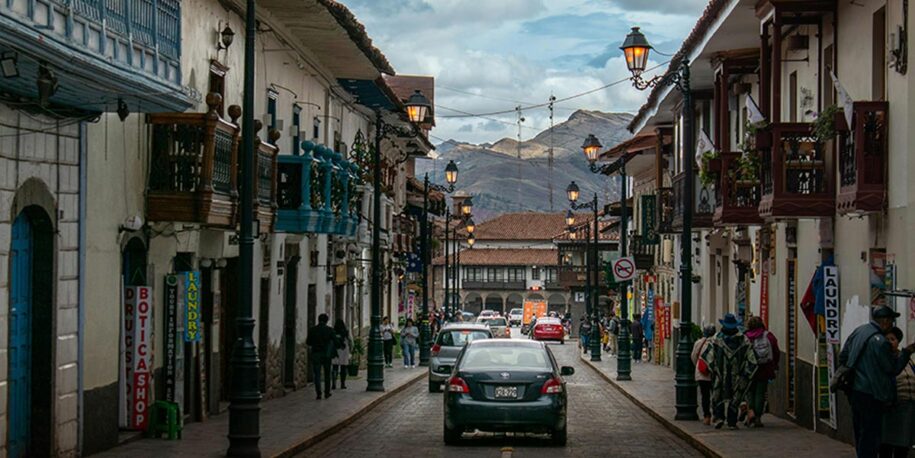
x=358, y=348
x=748, y=166
x=824, y=127
x=706, y=176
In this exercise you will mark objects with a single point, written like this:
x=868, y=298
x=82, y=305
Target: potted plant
x=827, y=123
x=709, y=167
x=356, y=354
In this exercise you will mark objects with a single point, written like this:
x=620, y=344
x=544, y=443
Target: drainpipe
x=81, y=314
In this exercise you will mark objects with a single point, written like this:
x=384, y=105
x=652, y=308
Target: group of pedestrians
x=330, y=354
x=733, y=368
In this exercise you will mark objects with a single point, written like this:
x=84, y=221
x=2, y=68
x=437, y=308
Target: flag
x=844, y=99
x=703, y=145
x=755, y=116
x=414, y=263
x=808, y=302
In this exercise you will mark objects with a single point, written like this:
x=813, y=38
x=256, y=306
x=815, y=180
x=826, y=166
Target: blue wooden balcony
x=316, y=192
x=98, y=51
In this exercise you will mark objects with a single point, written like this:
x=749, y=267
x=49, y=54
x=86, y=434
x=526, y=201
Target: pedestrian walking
x=703, y=372
x=870, y=356
x=343, y=343
x=408, y=336
x=733, y=365
x=614, y=328
x=638, y=337
x=321, y=340
x=584, y=334
x=899, y=419
x=765, y=347
x=387, y=337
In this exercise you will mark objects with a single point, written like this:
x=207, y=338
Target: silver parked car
x=447, y=346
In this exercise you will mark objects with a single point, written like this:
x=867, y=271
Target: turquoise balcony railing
x=316, y=192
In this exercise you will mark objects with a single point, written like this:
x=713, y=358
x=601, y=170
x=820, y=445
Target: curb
x=310, y=441
x=697, y=444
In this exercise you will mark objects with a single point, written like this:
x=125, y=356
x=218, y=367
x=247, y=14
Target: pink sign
x=139, y=357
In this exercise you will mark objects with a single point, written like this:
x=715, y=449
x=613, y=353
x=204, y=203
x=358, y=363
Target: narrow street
x=601, y=422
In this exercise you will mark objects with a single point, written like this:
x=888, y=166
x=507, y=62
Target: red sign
x=139, y=355
x=667, y=321
x=764, y=294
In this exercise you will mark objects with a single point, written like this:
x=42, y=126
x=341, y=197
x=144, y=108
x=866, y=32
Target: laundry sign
x=831, y=297
x=192, y=317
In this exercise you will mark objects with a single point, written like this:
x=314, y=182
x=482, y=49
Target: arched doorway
x=494, y=302
x=473, y=303
x=514, y=301
x=31, y=334
x=557, y=303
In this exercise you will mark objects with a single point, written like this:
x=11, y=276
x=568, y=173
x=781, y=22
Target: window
x=296, y=129
x=829, y=91
x=473, y=274
x=792, y=97
x=516, y=274
x=535, y=273
x=495, y=274
x=316, y=128
x=551, y=275
x=271, y=112
x=218, y=84
x=878, y=56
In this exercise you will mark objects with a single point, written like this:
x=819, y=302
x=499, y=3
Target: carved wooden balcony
x=194, y=167
x=863, y=157
x=796, y=174
x=265, y=183
x=643, y=253
x=703, y=203
x=737, y=196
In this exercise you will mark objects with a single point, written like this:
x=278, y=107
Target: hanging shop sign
x=137, y=332
x=174, y=341
x=831, y=296
x=192, y=316
x=764, y=293
x=650, y=234
x=668, y=322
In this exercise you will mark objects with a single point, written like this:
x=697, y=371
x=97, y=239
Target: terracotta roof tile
x=357, y=33
x=506, y=257
x=523, y=226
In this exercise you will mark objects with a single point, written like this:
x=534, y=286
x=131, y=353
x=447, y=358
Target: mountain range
x=500, y=182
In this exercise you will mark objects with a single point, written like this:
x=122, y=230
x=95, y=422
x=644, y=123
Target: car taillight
x=458, y=385
x=435, y=349
x=508, y=332
x=552, y=386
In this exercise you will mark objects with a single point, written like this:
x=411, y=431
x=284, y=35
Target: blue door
x=20, y=343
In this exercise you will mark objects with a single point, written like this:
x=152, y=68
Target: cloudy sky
x=492, y=55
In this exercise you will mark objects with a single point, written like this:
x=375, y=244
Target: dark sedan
x=506, y=385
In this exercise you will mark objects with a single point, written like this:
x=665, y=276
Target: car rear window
x=496, y=322
x=500, y=357
x=461, y=337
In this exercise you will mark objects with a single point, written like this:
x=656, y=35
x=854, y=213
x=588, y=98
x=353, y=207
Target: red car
x=549, y=329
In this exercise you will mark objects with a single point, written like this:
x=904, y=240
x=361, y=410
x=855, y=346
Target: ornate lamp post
x=470, y=226
x=416, y=107
x=592, y=147
x=636, y=49
x=451, y=174
x=593, y=288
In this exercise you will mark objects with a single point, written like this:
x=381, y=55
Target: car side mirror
x=566, y=371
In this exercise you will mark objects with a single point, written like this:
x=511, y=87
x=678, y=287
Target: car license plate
x=506, y=392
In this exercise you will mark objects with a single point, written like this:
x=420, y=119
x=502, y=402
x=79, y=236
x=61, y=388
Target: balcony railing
x=863, y=160
x=317, y=192
x=796, y=174
x=192, y=176
x=498, y=285
x=737, y=193
x=642, y=253
x=703, y=203
x=265, y=185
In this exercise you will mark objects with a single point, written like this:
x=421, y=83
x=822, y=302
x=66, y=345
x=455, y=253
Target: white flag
x=703, y=145
x=844, y=99
x=756, y=117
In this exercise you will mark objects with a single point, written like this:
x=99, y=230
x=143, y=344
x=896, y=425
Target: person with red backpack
x=703, y=372
x=765, y=346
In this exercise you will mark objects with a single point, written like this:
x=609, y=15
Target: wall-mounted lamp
x=226, y=37
x=123, y=111
x=9, y=65
x=47, y=84
x=899, y=43
x=206, y=263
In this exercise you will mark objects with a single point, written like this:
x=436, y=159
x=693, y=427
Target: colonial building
x=806, y=171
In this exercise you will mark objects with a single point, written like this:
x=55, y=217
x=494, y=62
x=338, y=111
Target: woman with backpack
x=343, y=343
x=765, y=346
x=703, y=372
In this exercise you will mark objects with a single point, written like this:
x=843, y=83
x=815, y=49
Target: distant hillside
x=490, y=172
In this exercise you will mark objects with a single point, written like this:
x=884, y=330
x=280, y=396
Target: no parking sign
x=624, y=269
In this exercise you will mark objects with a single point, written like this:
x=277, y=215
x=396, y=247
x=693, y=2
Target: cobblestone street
x=601, y=421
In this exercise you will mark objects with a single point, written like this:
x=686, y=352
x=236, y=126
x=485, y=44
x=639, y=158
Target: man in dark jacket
x=321, y=340
x=871, y=357
x=638, y=337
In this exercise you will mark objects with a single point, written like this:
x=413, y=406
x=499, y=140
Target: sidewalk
x=288, y=424
x=652, y=389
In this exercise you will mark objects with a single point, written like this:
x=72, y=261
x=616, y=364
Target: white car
x=515, y=316
x=487, y=314
x=497, y=324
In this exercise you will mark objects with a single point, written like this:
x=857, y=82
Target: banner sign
x=649, y=220
x=668, y=323
x=125, y=384
x=138, y=358
x=764, y=293
x=831, y=294
x=174, y=328
x=192, y=318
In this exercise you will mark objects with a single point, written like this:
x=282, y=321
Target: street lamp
x=471, y=240
x=636, y=49
x=570, y=219
x=592, y=286
x=470, y=226
x=467, y=206
x=416, y=107
x=451, y=173
x=623, y=360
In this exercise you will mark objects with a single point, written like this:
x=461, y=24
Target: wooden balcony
x=573, y=276
x=863, y=157
x=737, y=197
x=796, y=174
x=642, y=253
x=703, y=204
x=265, y=184
x=194, y=168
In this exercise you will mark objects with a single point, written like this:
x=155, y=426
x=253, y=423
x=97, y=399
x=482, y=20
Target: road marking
x=507, y=452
